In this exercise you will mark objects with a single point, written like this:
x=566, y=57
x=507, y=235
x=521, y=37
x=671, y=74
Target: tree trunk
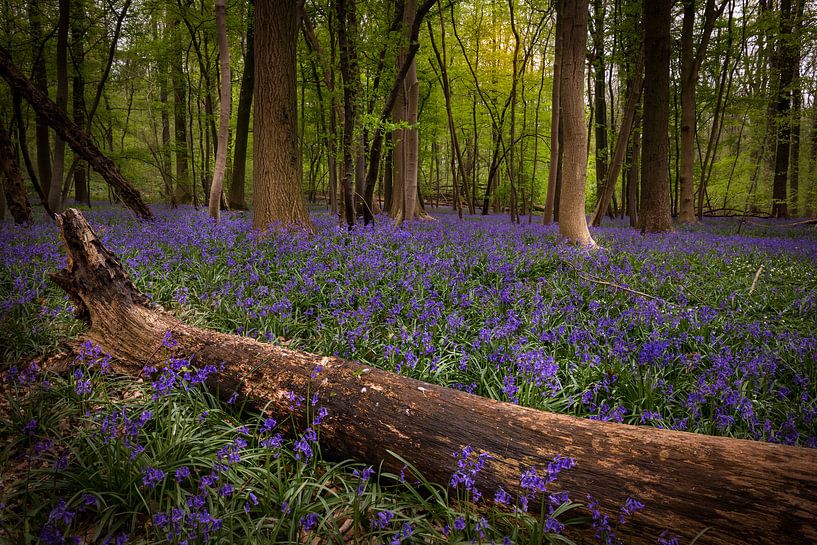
x=406, y=141
x=691, y=60
x=654, y=215
x=633, y=184
x=277, y=195
x=14, y=189
x=572, y=220
x=796, y=109
x=743, y=491
x=347, y=23
x=82, y=191
x=184, y=187
x=40, y=79
x=82, y=144
x=555, y=111
x=391, y=100
x=634, y=87
x=600, y=97
x=786, y=58
x=224, y=116
x=237, y=199
x=58, y=169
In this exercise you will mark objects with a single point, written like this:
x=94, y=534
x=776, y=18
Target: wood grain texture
x=745, y=491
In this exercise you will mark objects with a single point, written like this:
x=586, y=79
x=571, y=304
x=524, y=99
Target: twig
x=614, y=285
x=754, y=281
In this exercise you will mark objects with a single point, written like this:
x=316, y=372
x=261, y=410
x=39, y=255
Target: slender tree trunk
x=555, y=115
x=347, y=37
x=691, y=59
x=40, y=79
x=686, y=212
x=811, y=196
x=634, y=87
x=14, y=189
x=277, y=195
x=786, y=59
x=55, y=187
x=512, y=145
x=633, y=184
x=572, y=221
x=796, y=107
x=81, y=188
x=391, y=100
x=16, y=101
x=184, y=188
x=237, y=199
x=600, y=125
x=224, y=117
x=655, y=206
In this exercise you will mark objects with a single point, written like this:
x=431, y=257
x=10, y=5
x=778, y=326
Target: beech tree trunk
x=782, y=107
x=276, y=159
x=654, y=214
x=224, y=116
x=691, y=59
x=14, y=190
x=237, y=199
x=40, y=79
x=58, y=169
x=82, y=144
x=572, y=221
x=184, y=187
x=555, y=111
x=347, y=23
x=743, y=491
x=82, y=191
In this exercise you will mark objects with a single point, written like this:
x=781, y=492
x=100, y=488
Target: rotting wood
x=745, y=491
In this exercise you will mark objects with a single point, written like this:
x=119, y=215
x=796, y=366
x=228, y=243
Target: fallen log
x=80, y=141
x=745, y=491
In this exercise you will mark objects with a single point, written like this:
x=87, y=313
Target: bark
x=796, y=109
x=655, y=205
x=782, y=107
x=600, y=97
x=572, y=220
x=184, y=187
x=555, y=114
x=347, y=23
x=40, y=79
x=377, y=141
x=691, y=60
x=16, y=101
x=237, y=199
x=634, y=87
x=14, y=189
x=58, y=167
x=633, y=185
x=81, y=188
x=406, y=141
x=80, y=142
x=277, y=193
x=224, y=117
x=743, y=491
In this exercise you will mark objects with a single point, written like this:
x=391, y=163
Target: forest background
x=472, y=129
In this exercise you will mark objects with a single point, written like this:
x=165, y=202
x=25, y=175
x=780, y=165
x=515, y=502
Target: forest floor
x=711, y=329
